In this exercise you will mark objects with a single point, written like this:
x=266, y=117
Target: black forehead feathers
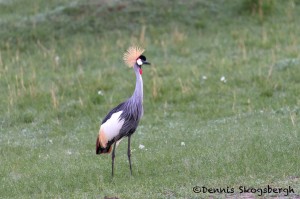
x=142, y=57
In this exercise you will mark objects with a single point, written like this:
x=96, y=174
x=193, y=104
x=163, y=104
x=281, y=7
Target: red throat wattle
x=141, y=71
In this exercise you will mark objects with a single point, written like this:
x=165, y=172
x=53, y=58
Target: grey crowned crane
x=123, y=120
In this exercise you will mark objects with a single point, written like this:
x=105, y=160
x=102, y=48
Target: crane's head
x=140, y=61
x=134, y=57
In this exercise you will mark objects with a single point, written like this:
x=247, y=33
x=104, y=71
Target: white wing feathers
x=112, y=126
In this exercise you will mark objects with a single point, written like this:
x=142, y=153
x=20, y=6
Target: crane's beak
x=147, y=63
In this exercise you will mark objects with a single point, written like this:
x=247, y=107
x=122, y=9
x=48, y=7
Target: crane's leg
x=129, y=154
x=113, y=160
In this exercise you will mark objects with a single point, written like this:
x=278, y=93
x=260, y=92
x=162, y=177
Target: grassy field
x=221, y=99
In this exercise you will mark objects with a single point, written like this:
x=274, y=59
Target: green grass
x=56, y=56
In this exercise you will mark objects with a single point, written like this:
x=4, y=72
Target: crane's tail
x=102, y=147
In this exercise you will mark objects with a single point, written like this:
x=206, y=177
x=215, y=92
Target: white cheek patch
x=139, y=62
x=113, y=125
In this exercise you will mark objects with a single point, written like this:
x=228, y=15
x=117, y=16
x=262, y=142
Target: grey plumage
x=132, y=112
x=133, y=107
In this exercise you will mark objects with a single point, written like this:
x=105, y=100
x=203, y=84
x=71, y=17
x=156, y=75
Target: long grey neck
x=134, y=105
x=138, y=91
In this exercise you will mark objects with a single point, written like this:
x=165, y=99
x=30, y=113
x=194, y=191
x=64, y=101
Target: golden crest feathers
x=132, y=54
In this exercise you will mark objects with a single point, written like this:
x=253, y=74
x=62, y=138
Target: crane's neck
x=138, y=91
x=134, y=105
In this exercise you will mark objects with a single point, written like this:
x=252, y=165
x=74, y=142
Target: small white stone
x=100, y=92
x=141, y=146
x=182, y=144
x=223, y=79
x=204, y=77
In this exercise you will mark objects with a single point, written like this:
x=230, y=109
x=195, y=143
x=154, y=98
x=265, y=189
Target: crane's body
x=123, y=120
